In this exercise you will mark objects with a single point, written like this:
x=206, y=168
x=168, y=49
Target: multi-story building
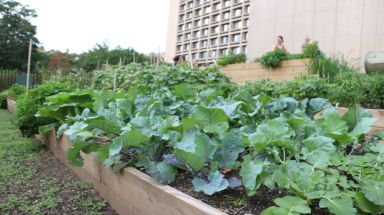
x=206, y=29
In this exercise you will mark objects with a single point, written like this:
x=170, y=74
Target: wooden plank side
x=132, y=192
x=241, y=73
x=150, y=197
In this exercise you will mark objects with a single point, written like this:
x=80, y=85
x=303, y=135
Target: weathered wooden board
x=289, y=69
x=131, y=192
x=11, y=105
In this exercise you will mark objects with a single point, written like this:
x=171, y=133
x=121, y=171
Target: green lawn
x=32, y=181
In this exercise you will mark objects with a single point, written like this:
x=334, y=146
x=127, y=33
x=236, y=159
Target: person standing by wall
x=279, y=44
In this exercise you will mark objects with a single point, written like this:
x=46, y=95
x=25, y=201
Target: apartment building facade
x=206, y=29
x=203, y=30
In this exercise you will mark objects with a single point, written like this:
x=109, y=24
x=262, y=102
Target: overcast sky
x=78, y=25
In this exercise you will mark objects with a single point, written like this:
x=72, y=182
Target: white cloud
x=78, y=25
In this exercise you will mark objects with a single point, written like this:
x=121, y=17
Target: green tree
x=15, y=32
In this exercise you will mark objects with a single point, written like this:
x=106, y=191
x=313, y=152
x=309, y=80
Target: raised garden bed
x=11, y=105
x=131, y=192
x=289, y=69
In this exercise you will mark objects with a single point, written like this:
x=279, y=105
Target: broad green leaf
x=195, y=149
x=363, y=126
x=229, y=149
x=316, y=105
x=162, y=172
x=102, y=123
x=210, y=119
x=184, y=91
x=354, y=115
x=46, y=129
x=365, y=205
x=317, y=150
x=250, y=170
x=73, y=154
x=289, y=205
x=374, y=191
x=338, y=205
x=271, y=132
x=133, y=138
x=214, y=184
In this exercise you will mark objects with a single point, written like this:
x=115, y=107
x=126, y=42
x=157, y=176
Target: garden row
x=174, y=120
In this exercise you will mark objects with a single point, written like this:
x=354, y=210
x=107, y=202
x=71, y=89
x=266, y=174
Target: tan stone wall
x=345, y=28
x=241, y=73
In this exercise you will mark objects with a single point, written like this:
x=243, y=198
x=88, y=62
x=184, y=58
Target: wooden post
x=158, y=57
x=115, y=76
x=29, y=65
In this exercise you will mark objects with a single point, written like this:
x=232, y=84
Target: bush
x=16, y=90
x=28, y=105
x=310, y=50
x=272, y=59
x=330, y=68
x=231, y=59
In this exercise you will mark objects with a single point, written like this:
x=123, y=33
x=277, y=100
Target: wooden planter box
x=131, y=192
x=288, y=70
x=11, y=105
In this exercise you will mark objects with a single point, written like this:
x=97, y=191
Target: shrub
x=28, y=105
x=16, y=90
x=231, y=59
x=272, y=59
x=330, y=67
x=310, y=50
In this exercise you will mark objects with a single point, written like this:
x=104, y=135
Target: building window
x=217, y=6
x=246, y=23
x=190, y=5
x=196, y=34
x=181, y=17
x=186, y=57
x=186, y=47
x=236, y=50
x=206, y=21
x=189, y=15
x=214, y=42
x=236, y=38
x=237, y=1
x=227, y=3
x=203, y=55
x=205, y=32
x=207, y=9
x=245, y=36
x=224, y=40
x=245, y=49
x=179, y=38
x=248, y=9
x=237, y=12
x=215, y=30
x=181, y=27
x=215, y=18
x=223, y=51
x=236, y=25
x=194, y=56
x=198, y=12
x=204, y=43
x=197, y=23
x=188, y=36
x=225, y=27
x=182, y=7
x=197, y=2
x=189, y=25
x=226, y=15
x=195, y=45
x=213, y=53
x=178, y=48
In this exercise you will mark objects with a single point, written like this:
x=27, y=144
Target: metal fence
x=10, y=77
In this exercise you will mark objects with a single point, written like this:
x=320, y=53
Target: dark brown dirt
x=235, y=201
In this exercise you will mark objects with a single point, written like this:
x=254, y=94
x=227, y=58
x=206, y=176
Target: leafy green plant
x=15, y=91
x=3, y=100
x=272, y=59
x=29, y=104
x=231, y=59
x=311, y=50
